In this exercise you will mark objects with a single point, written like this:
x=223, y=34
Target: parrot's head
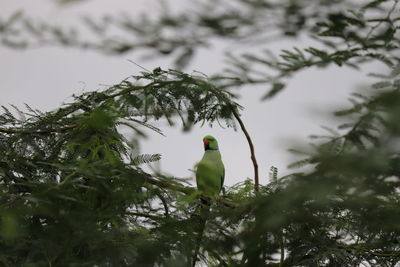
x=210, y=143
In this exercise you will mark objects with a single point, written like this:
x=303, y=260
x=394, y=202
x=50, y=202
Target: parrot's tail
x=204, y=212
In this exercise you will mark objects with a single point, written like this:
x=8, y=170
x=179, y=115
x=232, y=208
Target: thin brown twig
x=374, y=253
x=145, y=215
x=253, y=155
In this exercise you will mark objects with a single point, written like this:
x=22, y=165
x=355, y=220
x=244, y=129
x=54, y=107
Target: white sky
x=46, y=77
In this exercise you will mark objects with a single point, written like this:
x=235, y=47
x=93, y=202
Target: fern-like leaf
x=145, y=158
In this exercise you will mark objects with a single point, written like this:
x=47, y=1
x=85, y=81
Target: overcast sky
x=45, y=77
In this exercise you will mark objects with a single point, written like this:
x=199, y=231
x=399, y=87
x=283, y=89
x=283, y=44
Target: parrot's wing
x=209, y=177
x=223, y=176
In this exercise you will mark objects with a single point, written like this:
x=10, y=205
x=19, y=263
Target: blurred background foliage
x=73, y=193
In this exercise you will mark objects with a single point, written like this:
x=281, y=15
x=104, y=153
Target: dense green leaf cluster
x=71, y=189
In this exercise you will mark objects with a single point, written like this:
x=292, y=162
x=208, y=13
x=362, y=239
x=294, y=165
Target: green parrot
x=210, y=172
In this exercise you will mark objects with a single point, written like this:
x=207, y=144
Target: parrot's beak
x=206, y=142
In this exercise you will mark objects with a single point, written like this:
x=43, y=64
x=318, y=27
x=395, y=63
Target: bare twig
x=282, y=247
x=253, y=155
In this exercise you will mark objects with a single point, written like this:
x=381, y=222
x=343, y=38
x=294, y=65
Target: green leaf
x=374, y=3
x=145, y=158
x=99, y=119
x=276, y=88
x=9, y=226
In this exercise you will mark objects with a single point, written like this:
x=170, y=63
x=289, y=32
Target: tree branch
x=374, y=253
x=17, y=131
x=145, y=215
x=185, y=190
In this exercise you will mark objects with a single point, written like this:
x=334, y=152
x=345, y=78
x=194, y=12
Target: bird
x=210, y=172
x=210, y=175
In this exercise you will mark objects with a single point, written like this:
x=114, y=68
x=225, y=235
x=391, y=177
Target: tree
x=72, y=194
